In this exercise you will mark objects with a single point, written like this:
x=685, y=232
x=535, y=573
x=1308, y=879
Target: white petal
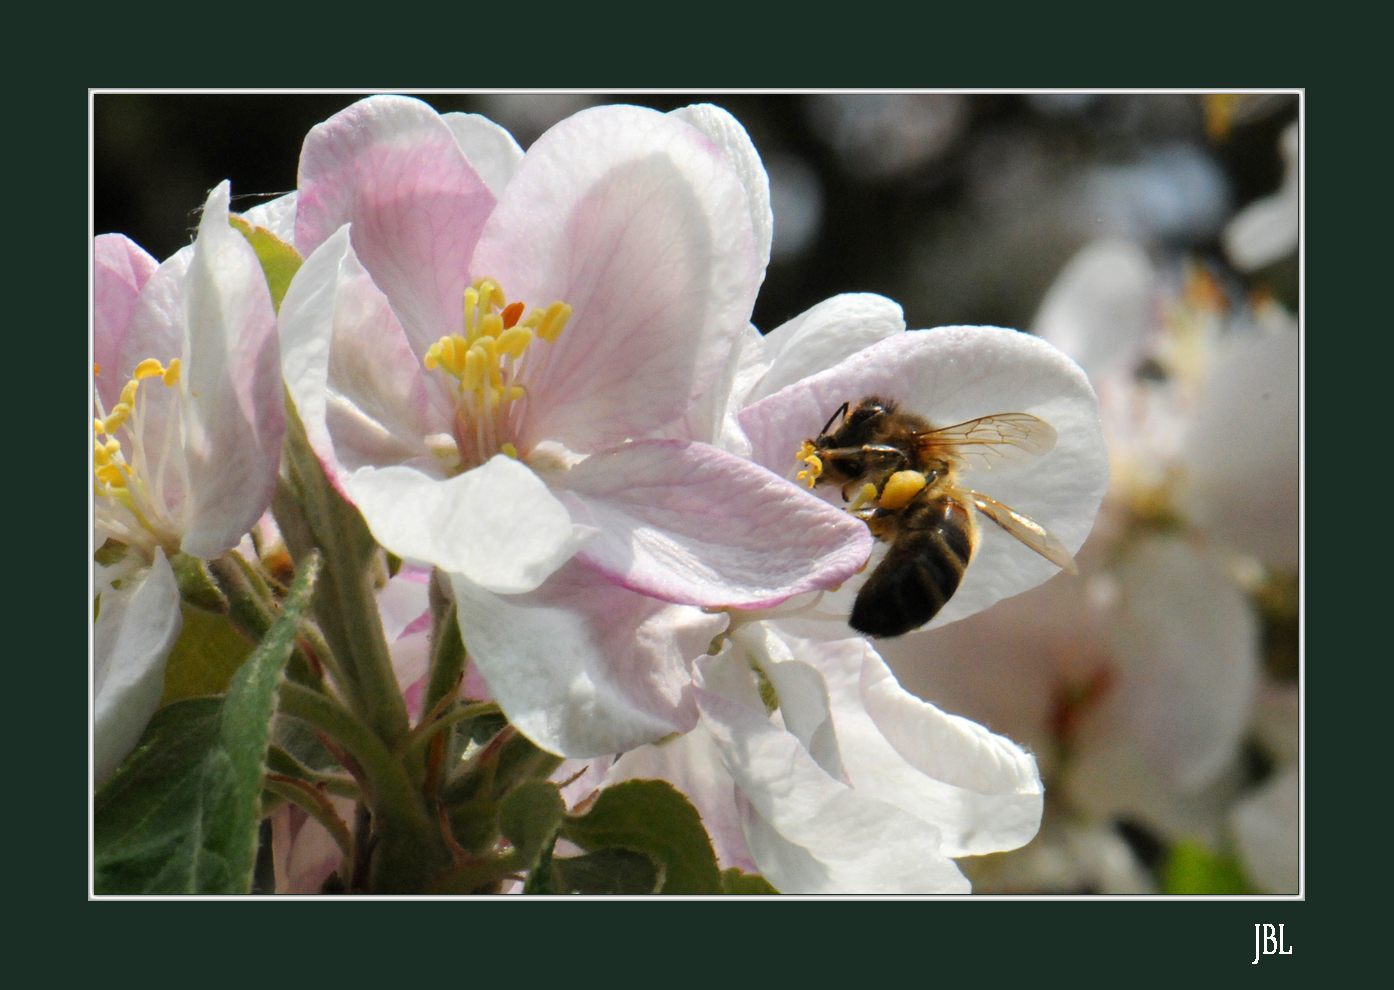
x=1243, y=450
x=809, y=833
x=498, y=525
x=277, y=216
x=948, y=376
x=489, y=148
x=726, y=132
x=234, y=411
x=1100, y=305
x=132, y=640
x=1187, y=651
x=820, y=337
x=582, y=667
x=1267, y=829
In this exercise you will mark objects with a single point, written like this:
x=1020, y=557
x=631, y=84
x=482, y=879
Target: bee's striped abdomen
x=924, y=567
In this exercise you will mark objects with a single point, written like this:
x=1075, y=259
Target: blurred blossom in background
x=1155, y=239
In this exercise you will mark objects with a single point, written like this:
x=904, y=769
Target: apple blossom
x=189, y=416
x=1136, y=685
x=813, y=767
x=499, y=440
x=947, y=376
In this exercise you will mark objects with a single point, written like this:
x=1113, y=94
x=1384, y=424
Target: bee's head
x=859, y=426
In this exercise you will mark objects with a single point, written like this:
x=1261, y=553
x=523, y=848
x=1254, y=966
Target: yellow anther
x=98, y=426
x=867, y=494
x=148, y=368
x=488, y=344
x=515, y=392
x=491, y=324
x=116, y=417
x=112, y=446
x=515, y=341
x=128, y=394
x=171, y=375
x=491, y=292
x=471, y=304
x=472, y=375
x=901, y=488
x=110, y=474
x=432, y=358
x=510, y=450
x=554, y=321
x=815, y=464
x=99, y=455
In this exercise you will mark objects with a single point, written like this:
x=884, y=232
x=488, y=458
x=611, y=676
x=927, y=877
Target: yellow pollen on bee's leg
x=901, y=488
x=867, y=494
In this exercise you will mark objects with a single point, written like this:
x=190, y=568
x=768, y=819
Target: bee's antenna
x=841, y=411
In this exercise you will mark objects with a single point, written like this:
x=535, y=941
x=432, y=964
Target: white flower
x=189, y=413
x=850, y=785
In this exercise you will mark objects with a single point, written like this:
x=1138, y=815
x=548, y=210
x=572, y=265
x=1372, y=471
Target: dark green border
x=712, y=46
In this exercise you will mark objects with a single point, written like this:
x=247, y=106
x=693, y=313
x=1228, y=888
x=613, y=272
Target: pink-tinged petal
x=231, y=380
x=1100, y=306
x=1187, y=649
x=131, y=642
x=1243, y=451
x=498, y=524
x=948, y=376
x=362, y=394
x=304, y=853
x=400, y=603
x=692, y=524
x=641, y=225
x=490, y=149
x=390, y=166
x=808, y=832
x=726, y=132
x=277, y=216
x=582, y=667
x=692, y=764
x=820, y=337
x=1268, y=831
x=120, y=271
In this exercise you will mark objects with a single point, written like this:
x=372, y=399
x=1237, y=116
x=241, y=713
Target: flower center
x=490, y=363
x=128, y=484
x=815, y=463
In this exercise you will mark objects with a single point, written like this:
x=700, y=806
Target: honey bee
x=901, y=476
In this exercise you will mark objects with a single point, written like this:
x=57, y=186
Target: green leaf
x=206, y=655
x=733, y=881
x=1193, y=869
x=180, y=815
x=279, y=261
x=650, y=816
x=609, y=871
x=529, y=817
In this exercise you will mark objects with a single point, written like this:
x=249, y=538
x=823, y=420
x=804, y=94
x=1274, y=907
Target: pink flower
x=189, y=414
x=496, y=374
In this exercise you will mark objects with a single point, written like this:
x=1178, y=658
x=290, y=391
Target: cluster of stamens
x=113, y=472
x=490, y=359
x=808, y=454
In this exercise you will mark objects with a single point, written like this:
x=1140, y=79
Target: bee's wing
x=1002, y=435
x=1025, y=529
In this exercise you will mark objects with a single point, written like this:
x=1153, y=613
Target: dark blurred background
x=962, y=208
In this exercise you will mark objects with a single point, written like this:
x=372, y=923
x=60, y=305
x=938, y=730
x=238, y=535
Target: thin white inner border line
x=1299, y=895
